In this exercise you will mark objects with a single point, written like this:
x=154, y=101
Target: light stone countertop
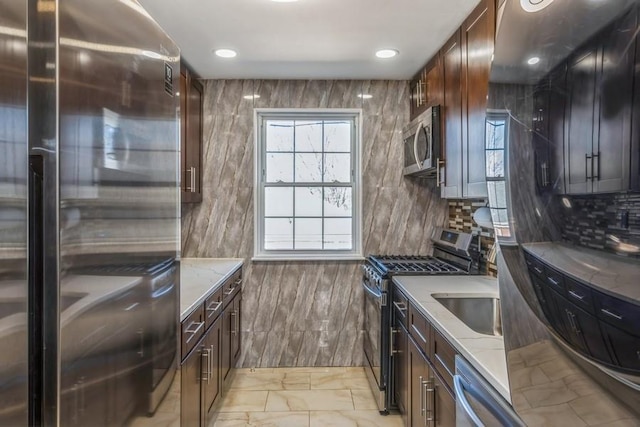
x=611, y=274
x=485, y=353
x=200, y=276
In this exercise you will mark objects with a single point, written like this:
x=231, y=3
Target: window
x=497, y=129
x=307, y=203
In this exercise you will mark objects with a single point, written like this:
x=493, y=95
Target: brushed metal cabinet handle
x=430, y=391
x=392, y=350
x=576, y=295
x=204, y=376
x=422, y=408
x=611, y=314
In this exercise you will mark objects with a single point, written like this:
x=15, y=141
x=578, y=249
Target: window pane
x=337, y=136
x=337, y=233
x=497, y=194
x=279, y=167
x=495, y=133
x=308, y=233
x=309, y=201
x=279, y=135
x=278, y=201
x=308, y=168
x=337, y=167
x=495, y=163
x=337, y=201
x=278, y=233
x=309, y=135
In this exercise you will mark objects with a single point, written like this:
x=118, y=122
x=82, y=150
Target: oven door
x=374, y=348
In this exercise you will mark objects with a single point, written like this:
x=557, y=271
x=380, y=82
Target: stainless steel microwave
x=422, y=144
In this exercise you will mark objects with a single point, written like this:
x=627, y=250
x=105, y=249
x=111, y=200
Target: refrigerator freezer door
x=13, y=214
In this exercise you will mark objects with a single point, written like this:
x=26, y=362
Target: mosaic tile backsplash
x=609, y=222
x=461, y=219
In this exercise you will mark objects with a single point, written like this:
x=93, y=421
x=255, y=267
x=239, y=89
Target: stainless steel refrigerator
x=89, y=213
x=563, y=172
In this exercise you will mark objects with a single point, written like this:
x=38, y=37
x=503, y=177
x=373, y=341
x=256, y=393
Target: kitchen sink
x=482, y=314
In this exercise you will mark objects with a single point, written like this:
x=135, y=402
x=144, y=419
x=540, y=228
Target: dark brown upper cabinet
x=426, y=87
x=451, y=166
x=191, y=118
x=478, y=38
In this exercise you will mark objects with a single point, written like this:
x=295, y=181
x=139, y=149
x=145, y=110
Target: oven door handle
x=374, y=292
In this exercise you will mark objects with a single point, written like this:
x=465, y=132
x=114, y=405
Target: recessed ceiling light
x=250, y=97
x=365, y=96
x=534, y=5
x=386, y=53
x=226, y=53
x=533, y=60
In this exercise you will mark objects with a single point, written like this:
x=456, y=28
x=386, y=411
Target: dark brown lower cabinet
x=421, y=387
x=190, y=391
x=445, y=403
x=206, y=370
x=401, y=370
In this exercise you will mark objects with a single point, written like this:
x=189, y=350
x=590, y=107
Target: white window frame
x=262, y=114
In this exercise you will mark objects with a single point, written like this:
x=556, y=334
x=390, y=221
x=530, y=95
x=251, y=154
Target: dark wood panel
x=191, y=101
x=478, y=33
x=452, y=117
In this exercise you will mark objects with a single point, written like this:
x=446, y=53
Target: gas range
x=399, y=265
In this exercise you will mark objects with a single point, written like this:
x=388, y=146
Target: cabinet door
x=236, y=339
x=190, y=392
x=581, y=86
x=624, y=346
x=540, y=136
x=211, y=379
x=225, y=358
x=478, y=34
x=613, y=145
x=444, y=405
x=556, y=128
x=400, y=357
x=451, y=174
x=183, y=130
x=419, y=374
x=433, y=81
x=582, y=329
x=193, y=171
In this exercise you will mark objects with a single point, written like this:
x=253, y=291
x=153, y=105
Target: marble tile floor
x=301, y=397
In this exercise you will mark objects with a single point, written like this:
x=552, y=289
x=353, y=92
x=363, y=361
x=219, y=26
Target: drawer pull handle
x=422, y=338
x=194, y=332
x=229, y=291
x=553, y=281
x=537, y=270
x=608, y=313
x=212, y=308
x=400, y=306
x=238, y=282
x=577, y=295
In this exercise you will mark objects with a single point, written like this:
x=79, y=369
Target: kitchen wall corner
x=306, y=313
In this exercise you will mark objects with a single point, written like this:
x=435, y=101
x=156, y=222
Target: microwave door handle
x=415, y=145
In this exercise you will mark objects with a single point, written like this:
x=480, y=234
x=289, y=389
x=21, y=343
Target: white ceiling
x=309, y=39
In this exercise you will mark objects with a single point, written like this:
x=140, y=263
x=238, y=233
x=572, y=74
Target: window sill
x=328, y=257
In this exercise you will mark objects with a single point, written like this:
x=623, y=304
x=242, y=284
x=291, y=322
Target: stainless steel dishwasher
x=478, y=404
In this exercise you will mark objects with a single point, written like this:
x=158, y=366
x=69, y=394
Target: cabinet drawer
x=535, y=267
x=622, y=314
x=419, y=329
x=192, y=328
x=554, y=278
x=213, y=307
x=232, y=286
x=624, y=347
x=443, y=357
x=579, y=294
x=400, y=308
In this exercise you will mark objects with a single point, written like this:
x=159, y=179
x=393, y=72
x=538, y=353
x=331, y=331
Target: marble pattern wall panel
x=306, y=313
